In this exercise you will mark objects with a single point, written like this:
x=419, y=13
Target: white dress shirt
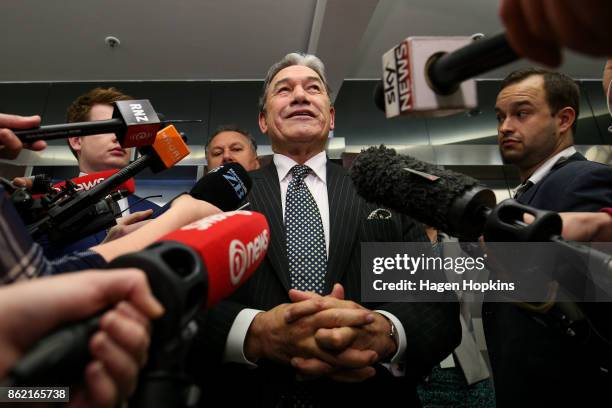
x=545, y=168
x=316, y=181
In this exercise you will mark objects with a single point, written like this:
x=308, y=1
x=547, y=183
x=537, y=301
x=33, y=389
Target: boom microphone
x=449, y=201
x=134, y=123
x=189, y=269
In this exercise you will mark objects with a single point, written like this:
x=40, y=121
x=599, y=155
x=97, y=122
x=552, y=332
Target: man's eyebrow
x=516, y=104
x=286, y=80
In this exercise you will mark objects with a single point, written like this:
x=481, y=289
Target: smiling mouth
x=306, y=115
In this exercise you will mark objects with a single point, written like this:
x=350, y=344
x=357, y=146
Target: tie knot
x=523, y=188
x=300, y=171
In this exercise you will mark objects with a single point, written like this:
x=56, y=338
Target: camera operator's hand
x=10, y=145
x=30, y=310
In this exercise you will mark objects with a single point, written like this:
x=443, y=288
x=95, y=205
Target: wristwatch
x=393, y=332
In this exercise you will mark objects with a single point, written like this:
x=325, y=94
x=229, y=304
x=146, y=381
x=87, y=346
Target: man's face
x=231, y=147
x=297, y=110
x=527, y=132
x=100, y=152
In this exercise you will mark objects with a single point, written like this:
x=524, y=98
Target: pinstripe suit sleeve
x=433, y=330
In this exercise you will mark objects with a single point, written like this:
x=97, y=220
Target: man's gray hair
x=308, y=60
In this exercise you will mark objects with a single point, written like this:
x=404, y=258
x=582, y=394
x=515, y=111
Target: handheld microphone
x=432, y=75
x=189, y=269
x=89, y=181
x=134, y=123
x=167, y=150
x=225, y=186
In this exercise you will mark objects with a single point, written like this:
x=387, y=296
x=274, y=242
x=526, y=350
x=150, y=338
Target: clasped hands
x=321, y=336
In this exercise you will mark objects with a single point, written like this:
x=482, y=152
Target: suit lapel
x=531, y=193
x=266, y=198
x=344, y=210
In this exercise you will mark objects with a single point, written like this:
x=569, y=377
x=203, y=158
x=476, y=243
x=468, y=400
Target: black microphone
x=451, y=202
x=63, y=219
x=188, y=270
x=134, y=122
x=457, y=204
x=225, y=186
x=446, y=200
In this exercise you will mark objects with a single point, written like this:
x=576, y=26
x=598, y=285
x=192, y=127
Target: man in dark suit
x=533, y=361
x=231, y=144
x=98, y=153
x=319, y=345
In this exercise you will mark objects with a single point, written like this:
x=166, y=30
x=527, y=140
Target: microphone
x=89, y=181
x=446, y=200
x=451, y=202
x=458, y=205
x=431, y=76
x=225, y=186
x=135, y=123
x=188, y=270
x=65, y=219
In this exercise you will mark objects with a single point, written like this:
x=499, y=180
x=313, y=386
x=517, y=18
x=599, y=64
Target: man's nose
x=228, y=156
x=506, y=127
x=299, y=94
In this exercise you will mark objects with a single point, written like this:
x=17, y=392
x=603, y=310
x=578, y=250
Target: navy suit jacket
x=134, y=203
x=533, y=363
x=432, y=329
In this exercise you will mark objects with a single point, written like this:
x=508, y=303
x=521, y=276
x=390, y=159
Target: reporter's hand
x=128, y=224
x=34, y=308
x=583, y=226
x=10, y=145
x=538, y=29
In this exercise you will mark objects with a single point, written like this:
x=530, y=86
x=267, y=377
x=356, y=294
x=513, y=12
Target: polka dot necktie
x=305, y=238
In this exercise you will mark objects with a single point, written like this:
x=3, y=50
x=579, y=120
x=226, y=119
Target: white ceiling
x=63, y=40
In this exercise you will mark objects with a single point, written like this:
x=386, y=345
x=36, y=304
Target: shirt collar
x=318, y=164
x=544, y=169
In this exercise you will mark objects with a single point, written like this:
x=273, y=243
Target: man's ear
x=263, y=126
x=332, y=113
x=567, y=118
x=75, y=144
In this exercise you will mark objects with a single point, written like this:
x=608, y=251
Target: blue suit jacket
x=533, y=363
x=134, y=204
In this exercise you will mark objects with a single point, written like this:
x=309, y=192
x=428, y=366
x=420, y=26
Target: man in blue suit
x=98, y=153
x=535, y=363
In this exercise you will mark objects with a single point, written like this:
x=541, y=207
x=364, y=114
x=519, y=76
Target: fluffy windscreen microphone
x=449, y=201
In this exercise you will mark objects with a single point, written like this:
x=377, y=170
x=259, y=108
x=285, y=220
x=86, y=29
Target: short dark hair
x=79, y=109
x=561, y=90
x=232, y=128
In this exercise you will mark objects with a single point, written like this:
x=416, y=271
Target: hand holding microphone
x=134, y=122
x=119, y=345
x=10, y=144
x=191, y=268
